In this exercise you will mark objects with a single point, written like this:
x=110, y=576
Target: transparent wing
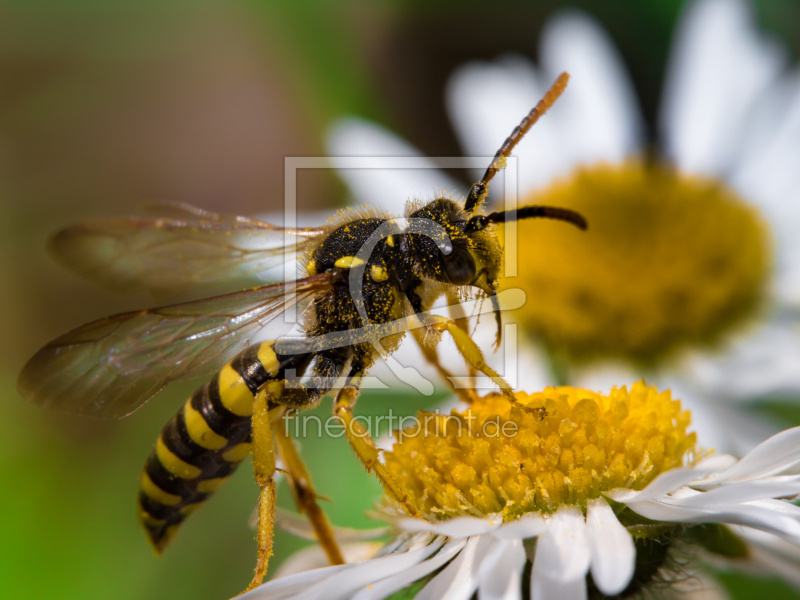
x=177, y=248
x=111, y=367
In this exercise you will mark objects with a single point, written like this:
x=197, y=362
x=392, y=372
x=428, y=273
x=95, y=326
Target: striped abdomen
x=203, y=443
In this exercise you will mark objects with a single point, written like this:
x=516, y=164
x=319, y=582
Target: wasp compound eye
x=459, y=266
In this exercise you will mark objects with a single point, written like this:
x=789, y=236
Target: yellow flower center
x=668, y=260
x=497, y=458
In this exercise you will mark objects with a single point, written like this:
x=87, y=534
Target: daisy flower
x=604, y=495
x=690, y=270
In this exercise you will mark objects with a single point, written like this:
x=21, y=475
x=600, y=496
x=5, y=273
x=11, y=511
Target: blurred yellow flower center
x=668, y=260
x=495, y=458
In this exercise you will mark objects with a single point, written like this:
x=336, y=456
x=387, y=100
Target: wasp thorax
x=495, y=458
x=670, y=260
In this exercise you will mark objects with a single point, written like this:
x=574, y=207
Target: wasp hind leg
x=305, y=496
x=362, y=442
x=269, y=408
x=264, y=467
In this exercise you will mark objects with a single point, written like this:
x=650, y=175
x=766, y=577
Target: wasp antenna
x=539, y=212
x=477, y=193
x=479, y=222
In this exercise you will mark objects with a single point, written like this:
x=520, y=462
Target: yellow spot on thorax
x=347, y=262
x=390, y=241
x=668, y=261
x=496, y=458
x=378, y=273
x=275, y=389
x=311, y=267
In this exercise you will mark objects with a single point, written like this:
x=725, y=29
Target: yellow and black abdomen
x=203, y=443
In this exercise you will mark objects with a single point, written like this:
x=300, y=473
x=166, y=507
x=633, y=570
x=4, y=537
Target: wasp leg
x=474, y=357
x=432, y=356
x=468, y=349
x=362, y=443
x=264, y=466
x=305, y=496
x=457, y=313
x=456, y=310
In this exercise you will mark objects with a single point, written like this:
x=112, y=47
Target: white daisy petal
x=674, y=478
x=299, y=526
x=778, y=453
x=720, y=424
x=760, y=362
x=459, y=579
x=397, y=582
x=391, y=187
x=770, y=555
x=766, y=170
x=562, y=552
x=456, y=528
x=601, y=376
x=716, y=462
x=751, y=514
x=407, y=540
x=663, y=484
x=288, y=586
x=314, y=557
x=718, y=68
x=745, y=491
x=527, y=527
x=605, y=123
x=768, y=177
x=779, y=506
x=544, y=588
x=613, y=552
x=775, y=544
x=487, y=100
x=786, y=280
x=772, y=564
x=500, y=575
x=344, y=584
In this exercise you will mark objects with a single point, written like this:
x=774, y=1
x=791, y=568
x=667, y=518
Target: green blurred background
x=106, y=104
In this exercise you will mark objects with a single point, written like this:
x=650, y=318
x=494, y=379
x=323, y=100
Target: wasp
x=369, y=278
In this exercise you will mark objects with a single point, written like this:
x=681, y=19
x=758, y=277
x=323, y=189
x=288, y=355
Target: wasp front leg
x=432, y=356
x=473, y=355
x=431, y=353
x=467, y=348
x=362, y=443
